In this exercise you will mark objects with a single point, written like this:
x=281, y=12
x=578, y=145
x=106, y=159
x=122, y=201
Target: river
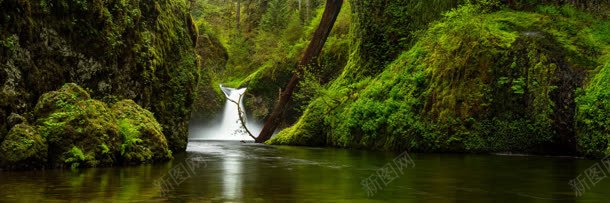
x=232, y=171
x=222, y=165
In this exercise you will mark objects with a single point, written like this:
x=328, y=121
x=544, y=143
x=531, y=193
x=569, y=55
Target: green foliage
x=104, y=148
x=83, y=132
x=142, y=137
x=278, y=52
x=10, y=43
x=75, y=157
x=383, y=29
x=23, y=147
x=479, y=80
x=592, y=118
x=593, y=6
x=118, y=49
x=276, y=17
x=212, y=57
x=130, y=136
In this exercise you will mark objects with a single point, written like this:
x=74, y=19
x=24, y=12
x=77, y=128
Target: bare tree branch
x=241, y=115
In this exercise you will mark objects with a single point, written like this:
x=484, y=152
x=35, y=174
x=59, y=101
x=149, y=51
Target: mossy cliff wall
x=383, y=29
x=135, y=49
x=214, y=56
x=479, y=80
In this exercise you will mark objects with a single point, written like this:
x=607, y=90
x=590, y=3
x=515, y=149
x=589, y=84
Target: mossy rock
x=87, y=125
x=306, y=128
x=23, y=147
x=66, y=97
x=11, y=120
x=143, y=139
x=139, y=50
x=384, y=29
x=213, y=59
x=15, y=119
x=83, y=132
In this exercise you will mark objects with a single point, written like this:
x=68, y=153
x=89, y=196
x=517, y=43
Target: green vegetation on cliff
x=214, y=58
x=139, y=50
x=479, y=80
x=593, y=114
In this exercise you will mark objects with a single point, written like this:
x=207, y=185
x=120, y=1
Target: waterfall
x=227, y=125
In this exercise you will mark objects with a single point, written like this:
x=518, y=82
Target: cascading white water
x=230, y=127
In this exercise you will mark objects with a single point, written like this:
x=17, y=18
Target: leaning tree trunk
x=333, y=7
x=238, y=16
x=308, y=9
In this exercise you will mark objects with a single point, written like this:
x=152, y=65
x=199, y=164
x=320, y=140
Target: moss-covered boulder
x=143, y=139
x=23, y=147
x=81, y=132
x=66, y=97
x=139, y=50
x=84, y=132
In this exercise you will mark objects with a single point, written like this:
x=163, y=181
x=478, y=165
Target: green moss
x=278, y=53
x=64, y=98
x=474, y=81
x=592, y=118
x=23, y=147
x=83, y=132
x=305, y=128
x=85, y=125
x=143, y=139
x=118, y=49
x=75, y=157
x=213, y=56
x=382, y=30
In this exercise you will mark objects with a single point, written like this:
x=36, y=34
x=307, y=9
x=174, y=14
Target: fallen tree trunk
x=333, y=7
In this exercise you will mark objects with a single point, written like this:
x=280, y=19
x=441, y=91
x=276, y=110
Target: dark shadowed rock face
x=139, y=50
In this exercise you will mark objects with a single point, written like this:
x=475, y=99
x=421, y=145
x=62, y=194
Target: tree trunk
x=333, y=7
x=308, y=10
x=238, y=20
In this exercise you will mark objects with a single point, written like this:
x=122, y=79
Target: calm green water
x=237, y=172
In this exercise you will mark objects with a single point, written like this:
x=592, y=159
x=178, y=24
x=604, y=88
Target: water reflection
x=232, y=177
x=237, y=172
x=120, y=184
